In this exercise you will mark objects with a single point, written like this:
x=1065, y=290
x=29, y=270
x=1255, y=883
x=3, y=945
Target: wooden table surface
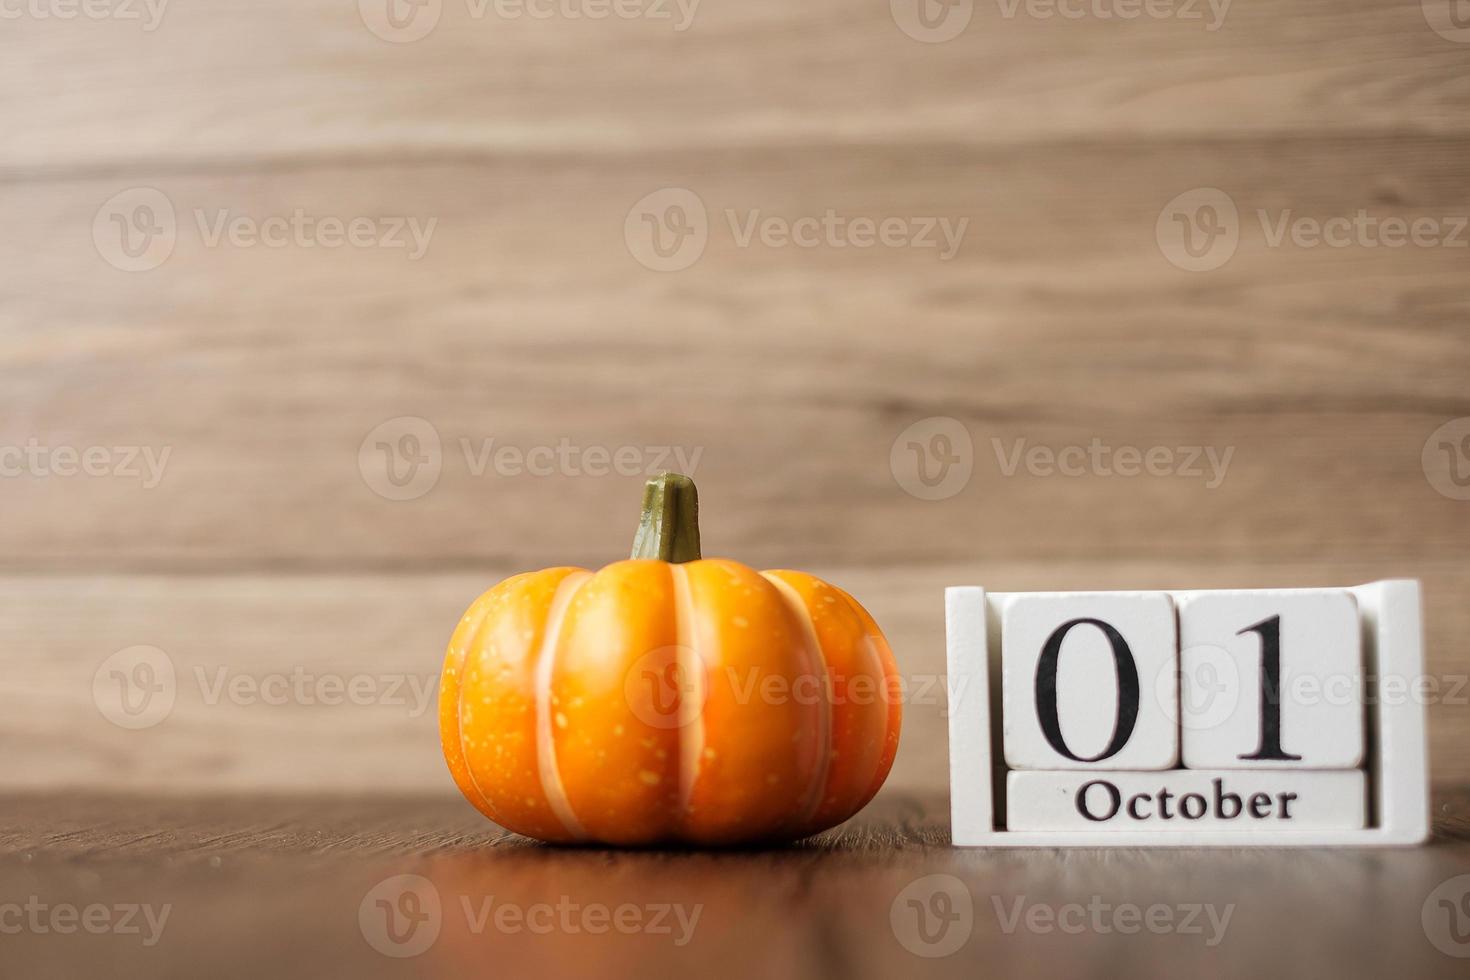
x=289, y=887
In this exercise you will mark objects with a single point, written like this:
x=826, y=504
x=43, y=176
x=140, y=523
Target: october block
x=1185, y=800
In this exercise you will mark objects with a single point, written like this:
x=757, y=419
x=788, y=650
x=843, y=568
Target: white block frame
x=1397, y=759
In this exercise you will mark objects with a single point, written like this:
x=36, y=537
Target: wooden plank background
x=264, y=548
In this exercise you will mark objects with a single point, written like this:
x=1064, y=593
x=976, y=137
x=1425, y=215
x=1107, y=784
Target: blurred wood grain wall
x=275, y=378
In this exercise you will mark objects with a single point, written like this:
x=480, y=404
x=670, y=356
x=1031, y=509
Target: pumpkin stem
x=669, y=529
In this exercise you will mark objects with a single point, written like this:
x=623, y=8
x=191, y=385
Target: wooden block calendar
x=1272, y=717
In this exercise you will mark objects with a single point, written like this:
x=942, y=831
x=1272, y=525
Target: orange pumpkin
x=667, y=698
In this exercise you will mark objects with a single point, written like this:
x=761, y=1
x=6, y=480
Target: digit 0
x=1126, y=712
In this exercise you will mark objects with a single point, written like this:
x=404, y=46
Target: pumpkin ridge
x=888, y=670
x=690, y=732
x=550, y=775
x=817, y=657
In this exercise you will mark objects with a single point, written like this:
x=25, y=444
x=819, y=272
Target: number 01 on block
x=1242, y=717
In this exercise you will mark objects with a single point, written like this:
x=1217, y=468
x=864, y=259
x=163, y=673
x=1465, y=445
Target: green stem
x=669, y=529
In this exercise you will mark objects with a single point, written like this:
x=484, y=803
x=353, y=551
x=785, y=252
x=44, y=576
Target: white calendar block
x=1271, y=679
x=995, y=803
x=1089, y=680
x=1187, y=801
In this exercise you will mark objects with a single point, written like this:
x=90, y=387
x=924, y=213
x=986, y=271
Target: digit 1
x=1046, y=690
x=1270, y=747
